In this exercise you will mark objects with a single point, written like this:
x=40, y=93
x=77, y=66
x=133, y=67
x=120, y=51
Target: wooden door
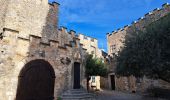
x=76, y=75
x=36, y=81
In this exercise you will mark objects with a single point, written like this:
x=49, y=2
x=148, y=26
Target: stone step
x=78, y=98
x=77, y=94
x=73, y=90
x=80, y=93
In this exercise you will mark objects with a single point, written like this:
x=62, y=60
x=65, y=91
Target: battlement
x=54, y=3
x=148, y=18
x=86, y=37
x=63, y=29
x=32, y=38
x=71, y=32
x=50, y=43
x=165, y=5
x=39, y=40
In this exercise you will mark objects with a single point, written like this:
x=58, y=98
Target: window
x=113, y=48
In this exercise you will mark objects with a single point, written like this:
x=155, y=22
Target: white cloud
x=81, y=11
x=97, y=11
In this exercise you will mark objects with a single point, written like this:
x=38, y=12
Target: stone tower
x=29, y=16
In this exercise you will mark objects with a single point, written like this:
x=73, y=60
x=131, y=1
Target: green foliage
x=95, y=66
x=59, y=98
x=147, y=52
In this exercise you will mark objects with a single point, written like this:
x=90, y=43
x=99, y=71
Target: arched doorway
x=36, y=81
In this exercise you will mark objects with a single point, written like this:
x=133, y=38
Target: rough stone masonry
x=115, y=41
x=30, y=35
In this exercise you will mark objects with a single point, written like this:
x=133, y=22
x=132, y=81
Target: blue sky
x=95, y=18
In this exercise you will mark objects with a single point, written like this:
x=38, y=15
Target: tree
x=94, y=67
x=147, y=52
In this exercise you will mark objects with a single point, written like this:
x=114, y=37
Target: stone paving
x=114, y=95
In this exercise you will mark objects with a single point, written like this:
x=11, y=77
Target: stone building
x=38, y=61
x=91, y=46
x=115, y=42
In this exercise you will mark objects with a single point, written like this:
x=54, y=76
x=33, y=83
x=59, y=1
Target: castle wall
x=116, y=38
x=35, y=17
x=115, y=42
x=18, y=51
x=30, y=32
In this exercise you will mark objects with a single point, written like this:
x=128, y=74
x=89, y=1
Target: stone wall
x=116, y=44
x=140, y=85
x=116, y=38
x=35, y=17
x=104, y=83
x=91, y=44
x=30, y=32
x=125, y=83
x=18, y=51
x=3, y=10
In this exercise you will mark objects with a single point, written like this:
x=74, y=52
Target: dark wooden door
x=112, y=82
x=36, y=81
x=76, y=76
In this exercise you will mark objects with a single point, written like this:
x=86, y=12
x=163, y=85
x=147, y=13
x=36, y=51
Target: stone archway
x=36, y=81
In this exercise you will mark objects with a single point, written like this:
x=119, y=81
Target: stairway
x=77, y=94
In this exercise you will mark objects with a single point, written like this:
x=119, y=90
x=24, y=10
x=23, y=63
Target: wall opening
x=76, y=75
x=36, y=81
x=112, y=79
